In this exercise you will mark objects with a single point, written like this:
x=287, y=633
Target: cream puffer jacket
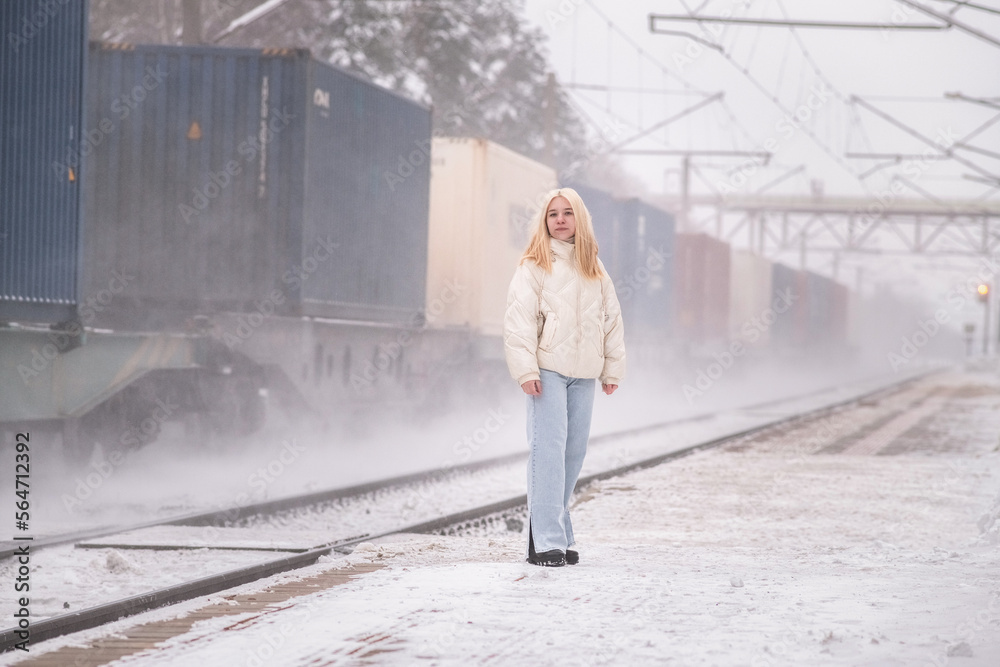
x=563, y=322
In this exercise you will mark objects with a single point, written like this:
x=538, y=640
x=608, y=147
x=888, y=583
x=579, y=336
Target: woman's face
x=560, y=219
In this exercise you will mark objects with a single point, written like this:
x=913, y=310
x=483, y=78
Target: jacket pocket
x=548, y=332
x=602, y=331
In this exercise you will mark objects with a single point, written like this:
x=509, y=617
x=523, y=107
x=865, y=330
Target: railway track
x=467, y=519
x=236, y=513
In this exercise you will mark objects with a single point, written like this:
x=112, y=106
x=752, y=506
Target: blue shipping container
x=606, y=216
x=646, y=289
x=42, y=63
x=252, y=180
x=791, y=328
x=636, y=242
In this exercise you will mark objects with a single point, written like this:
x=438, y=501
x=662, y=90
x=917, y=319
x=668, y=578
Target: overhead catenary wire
x=681, y=114
x=993, y=103
x=781, y=106
x=781, y=67
x=734, y=123
x=666, y=71
x=945, y=150
x=788, y=23
x=597, y=127
x=814, y=64
x=825, y=136
x=959, y=4
x=947, y=18
x=632, y=89
x=703, y=179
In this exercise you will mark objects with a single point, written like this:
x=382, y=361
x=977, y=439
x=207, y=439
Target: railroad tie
x=882, y=436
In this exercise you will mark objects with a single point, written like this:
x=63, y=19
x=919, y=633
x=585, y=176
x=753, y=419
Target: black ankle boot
x=572, y=557
x=551, y=558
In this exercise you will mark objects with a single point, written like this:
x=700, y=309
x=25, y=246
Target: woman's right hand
x=532, y=387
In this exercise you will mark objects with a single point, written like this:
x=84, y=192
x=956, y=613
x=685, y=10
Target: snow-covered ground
x=70, y=578
x=766, y=554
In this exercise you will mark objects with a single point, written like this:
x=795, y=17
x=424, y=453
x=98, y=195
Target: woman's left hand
x=609, y=388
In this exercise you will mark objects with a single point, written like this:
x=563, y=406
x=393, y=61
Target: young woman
x=562, y=329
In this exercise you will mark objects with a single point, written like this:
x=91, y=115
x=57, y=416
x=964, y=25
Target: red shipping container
x=701, y=288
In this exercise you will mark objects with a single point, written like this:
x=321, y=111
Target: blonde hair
x=538, y=250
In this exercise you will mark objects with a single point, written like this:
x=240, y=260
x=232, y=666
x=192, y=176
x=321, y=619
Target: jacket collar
x=562, y=249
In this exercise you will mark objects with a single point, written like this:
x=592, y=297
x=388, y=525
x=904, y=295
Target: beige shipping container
x=482, y=205
x=749, y=298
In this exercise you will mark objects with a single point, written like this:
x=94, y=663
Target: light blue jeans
x=558, y=429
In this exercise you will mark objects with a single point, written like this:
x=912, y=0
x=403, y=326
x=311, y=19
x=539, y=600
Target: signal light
x=984, y=292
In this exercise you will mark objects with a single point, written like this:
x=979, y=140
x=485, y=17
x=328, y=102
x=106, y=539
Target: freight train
x=212, y=235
